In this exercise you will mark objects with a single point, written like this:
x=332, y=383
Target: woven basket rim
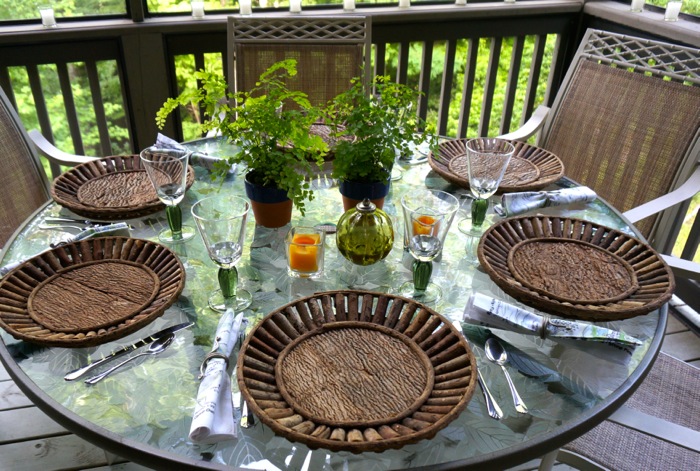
x=65, y=187
x=433, y=333
x=550, y=166
x=655, y=278
x=18, y=285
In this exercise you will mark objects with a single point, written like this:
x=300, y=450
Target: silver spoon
x=496, y=353
x=158, y=346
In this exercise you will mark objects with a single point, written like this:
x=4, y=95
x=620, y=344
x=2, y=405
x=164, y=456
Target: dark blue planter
x=354, y=192
x=264, y=194
x=362, y=190
x=271, y=206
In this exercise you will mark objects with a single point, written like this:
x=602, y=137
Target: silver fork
x=491, y=405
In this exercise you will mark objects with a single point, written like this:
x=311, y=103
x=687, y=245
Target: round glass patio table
x=143, y=413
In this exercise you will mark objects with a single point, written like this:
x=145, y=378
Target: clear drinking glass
x=221, y=222
x=487, y=160
x=167, y=169
x=428, y=215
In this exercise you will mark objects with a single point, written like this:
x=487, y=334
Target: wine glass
x=487, y=160
x=221, y=221
x=427, y=218
x=167, y=170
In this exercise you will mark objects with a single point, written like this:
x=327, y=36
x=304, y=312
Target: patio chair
x=626, y=122
x=330, y=51
x=658, y=428
x=23, y=180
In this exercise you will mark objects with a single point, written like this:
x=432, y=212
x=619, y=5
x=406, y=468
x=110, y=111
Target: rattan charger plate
x=89, y=292
x=356, y=371
x=575, y=268
x=109, y=188
x=531, y=168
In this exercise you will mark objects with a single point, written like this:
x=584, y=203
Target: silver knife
x=75, y=374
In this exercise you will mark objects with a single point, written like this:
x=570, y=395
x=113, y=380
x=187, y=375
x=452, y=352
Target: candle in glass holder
x=425, y=225
x=460, y=2
x=673, y=8
x=246, y=7
x=637, y=6
x=404, y=3
x=197, y=9
x=47, y=17
x=295, y=6
x=348, y=5
x=305, y=251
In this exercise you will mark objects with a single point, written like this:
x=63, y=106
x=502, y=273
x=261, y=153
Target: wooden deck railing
x=96, y=85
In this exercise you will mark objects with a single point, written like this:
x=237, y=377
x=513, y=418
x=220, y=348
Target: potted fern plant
x=370, y=131
x=270, y=124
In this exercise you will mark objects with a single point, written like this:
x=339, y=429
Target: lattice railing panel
x=678, y=63
x=305, y=29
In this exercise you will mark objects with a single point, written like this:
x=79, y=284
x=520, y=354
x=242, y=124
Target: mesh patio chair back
x=626, y=122
x=658, y=428
x=24, y=184
x=329, y=50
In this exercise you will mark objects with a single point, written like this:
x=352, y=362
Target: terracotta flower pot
x=271, y=206
x=354, y=192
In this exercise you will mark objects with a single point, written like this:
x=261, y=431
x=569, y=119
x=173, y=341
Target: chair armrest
x=532, y=125
x=683, y=268
x=685, y=191
x=54, y=154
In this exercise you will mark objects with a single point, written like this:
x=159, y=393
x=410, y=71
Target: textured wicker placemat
x=572, y=271
x=109, y=188
x=356, y=371
x=575, y=268
x=93, y=295
x=84, y=294
x=518, y=178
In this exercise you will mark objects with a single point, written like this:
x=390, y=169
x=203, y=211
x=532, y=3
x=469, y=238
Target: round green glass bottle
x=364, y=234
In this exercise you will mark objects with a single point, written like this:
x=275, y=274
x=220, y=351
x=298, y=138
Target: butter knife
x=75, y=374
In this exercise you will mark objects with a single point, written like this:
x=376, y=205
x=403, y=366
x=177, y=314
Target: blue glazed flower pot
x=271, y=206
x=354, y=192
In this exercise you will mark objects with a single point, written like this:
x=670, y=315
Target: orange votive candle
x=425, y=225
x=303, y=252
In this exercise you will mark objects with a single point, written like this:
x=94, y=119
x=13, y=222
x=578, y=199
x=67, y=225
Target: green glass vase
x=365, y=234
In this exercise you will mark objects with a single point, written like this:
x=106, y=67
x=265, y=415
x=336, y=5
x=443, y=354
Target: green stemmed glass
x=167, y=170
x=428, y=215
x=487, y=161
x=221, y=222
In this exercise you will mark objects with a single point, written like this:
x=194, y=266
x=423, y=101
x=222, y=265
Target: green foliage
x=372, y=128
x=269, y=123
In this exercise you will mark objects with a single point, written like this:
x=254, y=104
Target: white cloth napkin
x=517, y=203
x=213, y=414
x=165, y=142
x=490, y=312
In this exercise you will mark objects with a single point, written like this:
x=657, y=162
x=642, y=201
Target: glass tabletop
x=144, y=412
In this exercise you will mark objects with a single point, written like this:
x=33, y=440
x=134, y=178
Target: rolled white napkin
x=517, y=203
x=213, y=414
x=165, y=142
x=490, y=312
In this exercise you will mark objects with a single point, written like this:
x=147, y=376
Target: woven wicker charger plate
x=356, y=371
x=571, y=252
x=89, y=292
x=519, y=176
x=109, y=188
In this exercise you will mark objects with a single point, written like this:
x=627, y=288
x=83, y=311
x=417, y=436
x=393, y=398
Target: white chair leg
x=548, y=461
x=578, y=461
